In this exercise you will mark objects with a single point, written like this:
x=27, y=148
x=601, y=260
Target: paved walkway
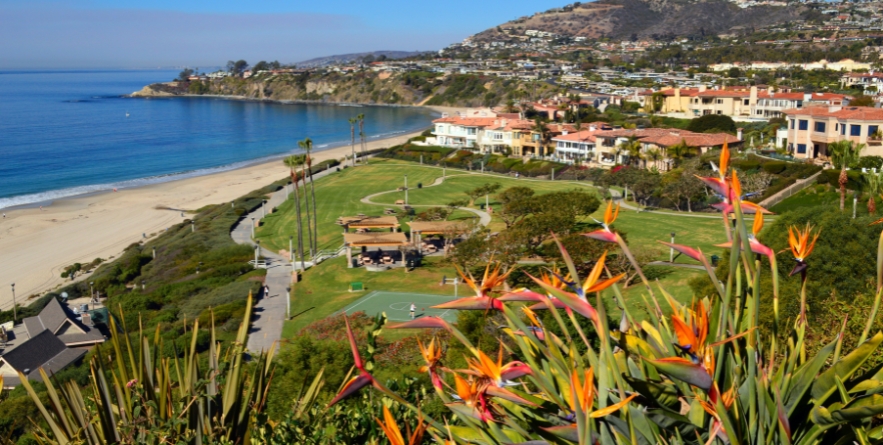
x=270, y=311
x=483, y=217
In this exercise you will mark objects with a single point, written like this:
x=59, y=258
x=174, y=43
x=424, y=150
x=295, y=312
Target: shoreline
x=39, y=243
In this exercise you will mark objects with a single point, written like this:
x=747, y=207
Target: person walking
x=413, y=311
x=266, y=290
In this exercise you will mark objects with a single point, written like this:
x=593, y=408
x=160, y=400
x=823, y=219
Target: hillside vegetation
x=645, y=18
x=412, y=88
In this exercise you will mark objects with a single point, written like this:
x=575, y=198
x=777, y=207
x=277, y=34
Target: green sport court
x=397, y=305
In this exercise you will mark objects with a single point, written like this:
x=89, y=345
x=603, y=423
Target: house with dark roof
x=57, y=320
x=43, y=350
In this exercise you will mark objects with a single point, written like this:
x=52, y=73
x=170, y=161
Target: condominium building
x=812, y=129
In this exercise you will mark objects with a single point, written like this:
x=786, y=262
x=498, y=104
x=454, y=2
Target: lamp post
x=264, y=208
x=406, y=189
x=291, y=249
x=256, y=248
x=252, y=227
x=14, y=309
x=671, y=250
x=91, y=292
x=192, y=226
x=198, y=266
x=288, y=304
x=142, y=285
x=154, y=253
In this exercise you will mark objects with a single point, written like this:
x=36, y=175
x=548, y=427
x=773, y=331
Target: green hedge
x=774, y=167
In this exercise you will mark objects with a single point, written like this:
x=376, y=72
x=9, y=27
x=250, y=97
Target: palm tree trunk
x=872, y=205
x=300, y=229
x=353, y=142
x=307, y=205
x=315, y=212
x=843, y=180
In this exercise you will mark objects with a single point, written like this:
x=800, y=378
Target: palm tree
x=302, y=145
x=875, y=181
x=844, y=154
x=300, y=229
x=654, y=155
x=632, y=147
x=678, y=152
x=308, y=146
x=361, y=118
x=543, y=131
x=352, y=122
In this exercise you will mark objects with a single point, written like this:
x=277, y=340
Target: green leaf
x=825, y=384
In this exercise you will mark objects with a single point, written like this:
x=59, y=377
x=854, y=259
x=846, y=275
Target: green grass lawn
x=325, y=288
x=823, y=195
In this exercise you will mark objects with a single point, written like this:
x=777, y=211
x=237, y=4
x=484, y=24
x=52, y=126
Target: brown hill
x=621, y=19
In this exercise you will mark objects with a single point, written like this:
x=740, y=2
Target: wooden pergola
x=373, y=239
x=368, y=222
x=445, y=228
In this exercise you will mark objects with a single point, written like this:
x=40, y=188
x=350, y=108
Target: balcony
x=823, y=138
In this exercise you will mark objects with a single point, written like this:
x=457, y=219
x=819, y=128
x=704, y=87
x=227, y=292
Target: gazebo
x=368, y=222
x=397, y=240
x=446, y=228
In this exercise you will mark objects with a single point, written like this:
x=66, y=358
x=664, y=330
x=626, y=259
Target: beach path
x=270, y=311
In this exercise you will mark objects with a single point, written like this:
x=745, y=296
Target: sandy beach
x=37, y=244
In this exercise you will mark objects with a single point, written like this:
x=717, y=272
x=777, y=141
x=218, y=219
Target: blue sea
x=65, y=133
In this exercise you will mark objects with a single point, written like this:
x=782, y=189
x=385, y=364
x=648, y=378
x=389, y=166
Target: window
x=801, y=148
x=855, y=130
x=745, y=102
x=843, y=129
x=836, y=127
x=439, y=129
x=792, y=123
x=720, y=112
x=803, y=124
x=872, y=129
x=820, y=127
x=720, y=101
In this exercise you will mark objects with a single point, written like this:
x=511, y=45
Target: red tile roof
x=852, y=113
x=667, y=137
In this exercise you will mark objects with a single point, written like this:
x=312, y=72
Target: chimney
x=592, y=128
x=752, y=96
x=807, y=97
x=739, y=134
x=701, y=88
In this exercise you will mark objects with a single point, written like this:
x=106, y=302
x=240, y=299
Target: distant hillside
x=347, y=58
x=621, y=19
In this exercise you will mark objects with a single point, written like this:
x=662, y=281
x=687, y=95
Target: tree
x=681, y=185
x=352, y=122
x=678, y=152
x=655, y=156
x=632, y=146
x=237, y=67
x=295, y=178
x=712, y=123
x=844, y=154
x=361, y=118
x=261, y=66
x=544, y=134
x=516, y=204
x=185, y=74
x=874, y=182
x=861, y=100
x=307, y=145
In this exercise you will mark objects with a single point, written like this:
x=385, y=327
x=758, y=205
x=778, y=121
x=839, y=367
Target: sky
x=207, y=33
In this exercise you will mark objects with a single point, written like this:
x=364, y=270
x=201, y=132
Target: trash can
x=419, y=185
x=714, y=260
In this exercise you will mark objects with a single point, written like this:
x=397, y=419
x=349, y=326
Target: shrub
x=855, y=182
x=774, y=167
x=746, y=165
x=712, y=122
x=870, y=162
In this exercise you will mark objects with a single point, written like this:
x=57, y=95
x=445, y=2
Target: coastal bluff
x=157, y=90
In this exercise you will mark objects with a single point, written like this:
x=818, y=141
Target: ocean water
x=65, y=133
